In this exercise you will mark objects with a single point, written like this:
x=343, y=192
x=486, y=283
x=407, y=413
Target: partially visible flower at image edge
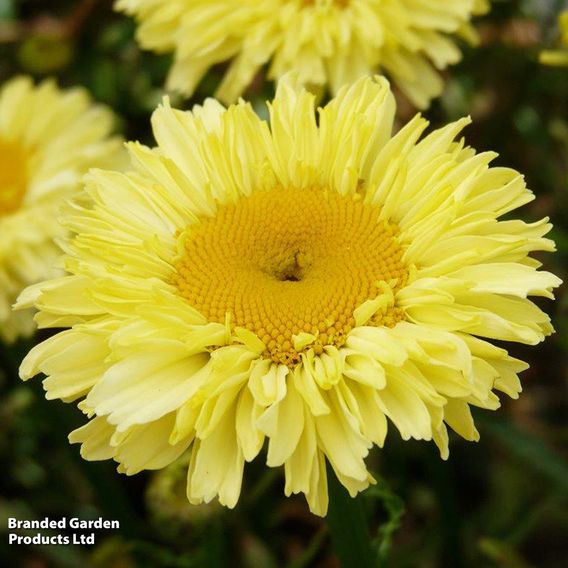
x=558, y=57
x=297, y=282
x=329, y=43
x=49, y=138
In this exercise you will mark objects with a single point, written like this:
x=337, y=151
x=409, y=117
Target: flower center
x=13, y=177
x=291, y=261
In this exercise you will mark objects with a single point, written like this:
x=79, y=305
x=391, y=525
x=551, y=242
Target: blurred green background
x=502, y=502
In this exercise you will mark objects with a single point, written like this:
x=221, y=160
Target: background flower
x=558, y=57
x=329, y=43
x=48, y=139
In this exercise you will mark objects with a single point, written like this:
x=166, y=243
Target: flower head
x=301, y=282
x=558, y=57
x=327, y=42
x=48, y=140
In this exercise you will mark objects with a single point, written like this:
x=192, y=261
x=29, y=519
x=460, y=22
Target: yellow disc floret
x=13, y=177
x=289, y=262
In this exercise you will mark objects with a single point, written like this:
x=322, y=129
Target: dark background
x=499, y=503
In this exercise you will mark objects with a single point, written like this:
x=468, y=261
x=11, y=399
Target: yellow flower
x=48, y=140
x=558, y=57
x=327, y=42
x=299, y=282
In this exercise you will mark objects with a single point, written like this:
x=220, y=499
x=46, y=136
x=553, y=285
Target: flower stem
x=348, y=527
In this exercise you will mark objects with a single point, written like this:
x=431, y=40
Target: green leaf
x=7, y=10
x=348, y=527
x=501, y=553
x=531, y=449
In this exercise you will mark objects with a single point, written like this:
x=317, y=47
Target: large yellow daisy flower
x=300, y=282
x=327, y=42
x=48, y=140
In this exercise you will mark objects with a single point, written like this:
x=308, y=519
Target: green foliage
x=394, y=508
x=531, y=451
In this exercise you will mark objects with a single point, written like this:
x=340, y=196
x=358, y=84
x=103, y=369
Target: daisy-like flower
x=327, y=42
x=558, y=57
x=301, y=282
x=48, y=140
